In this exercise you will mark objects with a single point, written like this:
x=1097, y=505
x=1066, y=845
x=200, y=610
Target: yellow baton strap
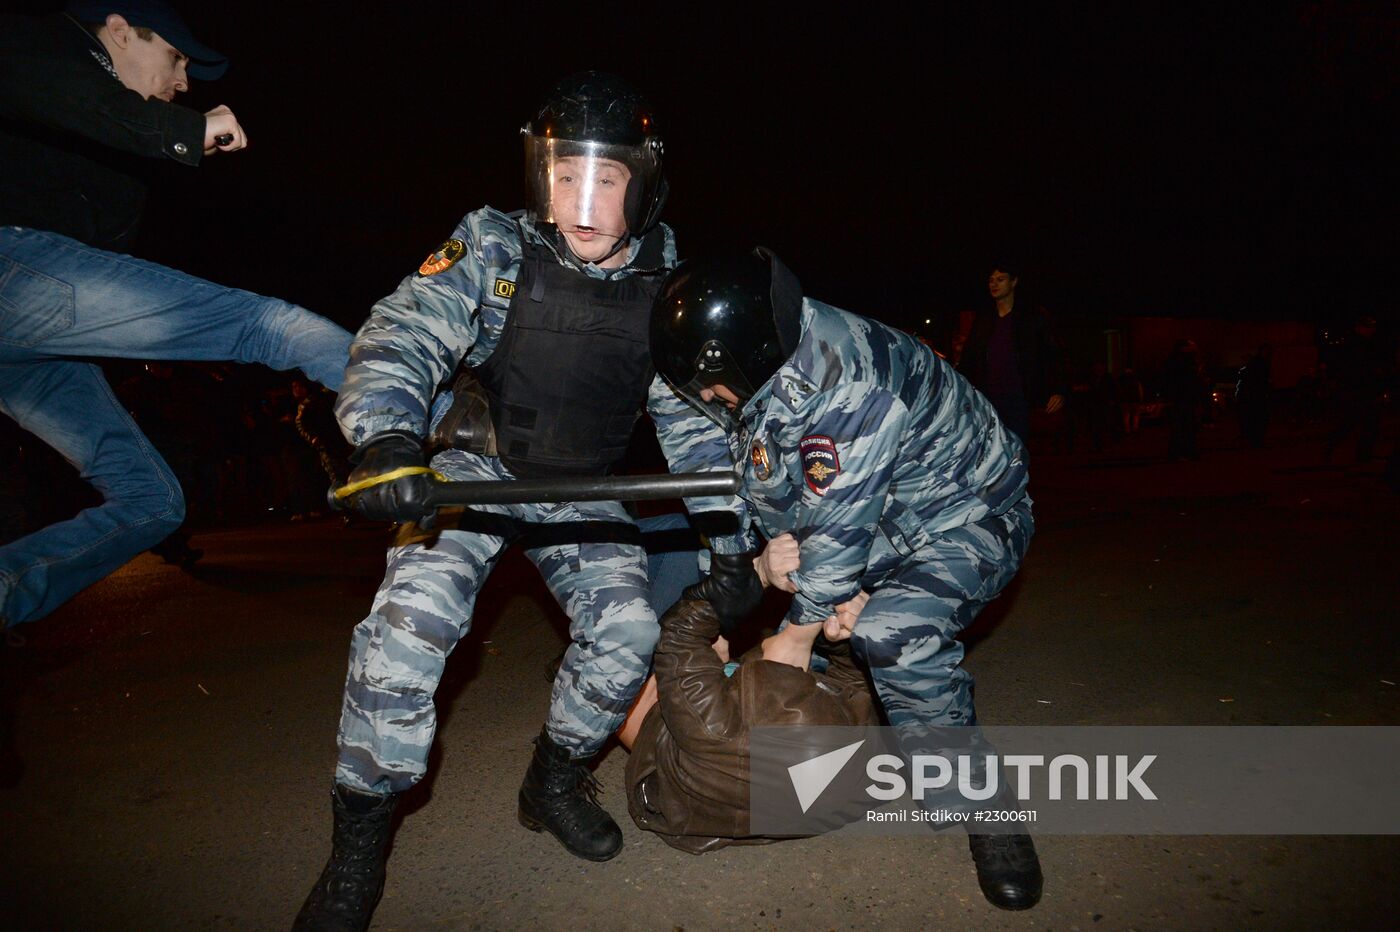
x=345, y=491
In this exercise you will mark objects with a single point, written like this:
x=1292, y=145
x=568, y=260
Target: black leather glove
x=732, y=588
x=401, y=498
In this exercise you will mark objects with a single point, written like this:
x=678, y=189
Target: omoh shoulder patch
x=443, y=258
x=820, y=465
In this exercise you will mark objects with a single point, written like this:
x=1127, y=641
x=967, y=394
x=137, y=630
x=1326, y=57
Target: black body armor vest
x=569, y=377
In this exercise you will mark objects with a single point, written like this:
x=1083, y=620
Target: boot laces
x=588, y=783
x=356, y=859
x=1013, y=849
x=578, y=806
x=358, y=840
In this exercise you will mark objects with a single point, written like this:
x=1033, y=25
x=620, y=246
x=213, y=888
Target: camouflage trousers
x=920, y=602
x=591, y=558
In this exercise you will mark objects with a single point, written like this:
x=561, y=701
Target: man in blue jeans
x=86, y=99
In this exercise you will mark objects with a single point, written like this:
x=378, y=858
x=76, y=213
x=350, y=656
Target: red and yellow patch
x=762, y=469
x=443, y=258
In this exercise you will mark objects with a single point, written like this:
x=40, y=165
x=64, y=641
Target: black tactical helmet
x=597, y=115
x=728, y=319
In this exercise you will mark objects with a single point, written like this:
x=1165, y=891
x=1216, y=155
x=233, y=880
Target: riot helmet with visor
x=594, y=139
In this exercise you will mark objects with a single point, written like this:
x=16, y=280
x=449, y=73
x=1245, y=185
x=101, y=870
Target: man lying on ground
x=688, y=776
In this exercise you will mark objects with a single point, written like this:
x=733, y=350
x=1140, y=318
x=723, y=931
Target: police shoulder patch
x=443, y=258
x=820, y=465
x=505, y=288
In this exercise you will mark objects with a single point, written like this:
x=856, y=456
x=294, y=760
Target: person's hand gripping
x=391, y=480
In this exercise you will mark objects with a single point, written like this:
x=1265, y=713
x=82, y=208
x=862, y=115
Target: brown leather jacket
x=688, y=776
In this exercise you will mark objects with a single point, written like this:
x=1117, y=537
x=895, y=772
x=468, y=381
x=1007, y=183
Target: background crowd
x=250, y=446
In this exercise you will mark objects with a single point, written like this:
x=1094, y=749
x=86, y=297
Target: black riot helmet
x=593, y=117
x=728, y=319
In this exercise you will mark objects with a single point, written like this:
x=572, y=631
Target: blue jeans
x=61, y=302
x=673, y=559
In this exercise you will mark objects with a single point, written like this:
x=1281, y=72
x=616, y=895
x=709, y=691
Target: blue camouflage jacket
x=454, y=308
x=865, y=439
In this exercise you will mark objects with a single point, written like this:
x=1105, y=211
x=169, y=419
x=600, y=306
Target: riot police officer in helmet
x=542, y=315
x=903, y=489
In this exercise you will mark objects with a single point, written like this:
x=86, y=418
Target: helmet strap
x=622, y=242
x=561, y=242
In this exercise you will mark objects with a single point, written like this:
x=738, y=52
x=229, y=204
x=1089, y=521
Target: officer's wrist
x=733, y=563
x=408, y=441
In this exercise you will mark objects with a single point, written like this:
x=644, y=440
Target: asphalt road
x=173, y=733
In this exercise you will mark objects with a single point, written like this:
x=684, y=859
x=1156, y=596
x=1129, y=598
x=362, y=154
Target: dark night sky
x=1149, y=159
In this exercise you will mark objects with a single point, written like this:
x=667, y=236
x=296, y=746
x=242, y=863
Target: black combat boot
x=1008, y=870
x=560, y=794
x=349, y=888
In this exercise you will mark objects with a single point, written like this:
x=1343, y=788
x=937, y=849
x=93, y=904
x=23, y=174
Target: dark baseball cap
x=205, y=63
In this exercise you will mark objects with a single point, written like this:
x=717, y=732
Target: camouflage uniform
x=896, y=477
x=589, y=553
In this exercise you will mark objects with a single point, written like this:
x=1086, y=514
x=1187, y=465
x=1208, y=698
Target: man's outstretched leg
x=69, y=406
x=79, y=301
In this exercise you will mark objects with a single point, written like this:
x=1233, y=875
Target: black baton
x=583, y=489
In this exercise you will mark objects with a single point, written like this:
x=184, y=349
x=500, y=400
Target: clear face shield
x=591, y=189
x=714, y=366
